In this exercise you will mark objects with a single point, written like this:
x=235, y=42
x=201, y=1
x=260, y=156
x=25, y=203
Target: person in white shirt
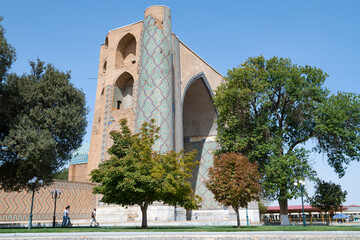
x=66, y=218
x=93, y=218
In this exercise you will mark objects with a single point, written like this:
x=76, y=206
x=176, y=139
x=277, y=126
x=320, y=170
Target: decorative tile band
x=107, y=120
x=117, y=97
x=81, y=154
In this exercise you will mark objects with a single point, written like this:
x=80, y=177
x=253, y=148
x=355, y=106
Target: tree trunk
x=284, y=217
x=144, y=207
x=327, y=219
x=188, y=214
x=237, y=216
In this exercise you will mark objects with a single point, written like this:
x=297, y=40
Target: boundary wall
x=15, y=206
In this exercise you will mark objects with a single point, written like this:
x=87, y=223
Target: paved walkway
x=187, y=235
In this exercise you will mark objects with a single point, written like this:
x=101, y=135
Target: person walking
x=93, y=218
x=66, y=217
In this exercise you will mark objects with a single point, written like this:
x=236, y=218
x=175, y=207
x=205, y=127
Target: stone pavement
x=292, y=235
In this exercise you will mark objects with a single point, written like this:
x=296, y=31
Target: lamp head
x=41, y=182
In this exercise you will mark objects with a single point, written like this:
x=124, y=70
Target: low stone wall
x=15, y=206
x=15, y=209
x=158, y=215
x=186, y=235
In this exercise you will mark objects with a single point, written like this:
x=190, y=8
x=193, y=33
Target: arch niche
x=106, y=41
x=126, y=51
x=199, y=114
x=123, y=91
x=199, y=123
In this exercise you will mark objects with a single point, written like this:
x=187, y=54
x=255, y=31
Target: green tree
x=269, y=108
x=234, y=181
x=123, y=140
x=262, y=209
x=328, y=196
x=7, y=54
x=136, y=174
x=43, y=119
x=63, y=174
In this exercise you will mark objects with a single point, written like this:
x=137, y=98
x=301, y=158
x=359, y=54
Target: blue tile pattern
x=205, y=157
x=108, y=119
x=117, y=97
x=81, y=154
x=155, y=85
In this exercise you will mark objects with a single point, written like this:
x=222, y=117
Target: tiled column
x=155, y=87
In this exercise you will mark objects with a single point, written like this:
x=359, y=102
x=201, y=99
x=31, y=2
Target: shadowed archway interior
x=199, y=127
x=126, y=51
x=123, y=91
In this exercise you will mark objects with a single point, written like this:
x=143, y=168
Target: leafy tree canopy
x=63, y=174
x=262, y=208
x=135, y=174
x=7, y=54
x=268, y=108
x=328, y=196
x=43, y=119
x=234, y=181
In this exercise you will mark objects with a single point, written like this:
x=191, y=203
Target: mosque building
x=146, y=72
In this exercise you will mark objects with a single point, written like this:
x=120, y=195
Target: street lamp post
x=55, y=195
x=301, y=184
x=247, y=217
x=32, y=183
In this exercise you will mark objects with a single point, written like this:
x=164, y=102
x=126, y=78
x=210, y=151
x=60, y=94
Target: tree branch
x=276, y=111
x=311, y=134
x=254, y=106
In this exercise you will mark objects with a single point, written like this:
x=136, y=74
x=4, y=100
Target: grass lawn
x=183, y=229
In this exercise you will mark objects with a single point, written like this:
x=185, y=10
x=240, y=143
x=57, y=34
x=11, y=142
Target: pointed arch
x=106, y=41
x=104, y=66
x=203, y=78
x=199, y=130
x=123, y=91
x=126, y=51
x=198, y=110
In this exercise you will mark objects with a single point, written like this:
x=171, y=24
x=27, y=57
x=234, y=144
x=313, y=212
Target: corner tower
x=155, y=85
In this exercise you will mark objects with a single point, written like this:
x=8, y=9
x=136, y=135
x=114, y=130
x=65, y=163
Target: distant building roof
x=353, y=206
x=297, y=208
x=81, y=154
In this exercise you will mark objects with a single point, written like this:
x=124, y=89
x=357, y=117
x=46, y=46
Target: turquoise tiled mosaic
x=108, y=119
x=81, y=154
x=205, y=157
x=155, y=85
x=117, y=97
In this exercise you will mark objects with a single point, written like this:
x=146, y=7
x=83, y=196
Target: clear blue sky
x=325, y=34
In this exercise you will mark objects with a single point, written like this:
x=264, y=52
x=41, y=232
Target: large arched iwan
x=199, y=131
